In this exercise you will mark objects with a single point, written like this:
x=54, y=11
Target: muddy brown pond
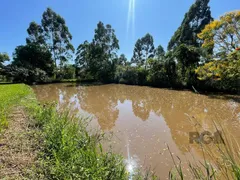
x=144, y=120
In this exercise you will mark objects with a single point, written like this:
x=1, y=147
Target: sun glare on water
x=131, y=163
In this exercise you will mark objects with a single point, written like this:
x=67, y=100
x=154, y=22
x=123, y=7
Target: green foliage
x=35, y=33
x=187, y=55
x=148, y=46
x=105, y=47
x=159, y=71
x=105, y=38
x=10, y=95
x=33, y=56
x=69, y=151
x=31, y=63
x=137, y=53
x=222, y=35
x=57, y=36
x=185, y=43
x=131, y=75
x=160, y=53
x=3, y=57
x=221, y=74
x=157, y=75
x=143, y=50
x=193, y=43
x=171, y=70
x=46, y=43
x=194, y=21
x=122, y=60
x=188, y=58
x=52, y=34
x=67, y=72
x=23, y=75
x=98, y=58
x=82, y=55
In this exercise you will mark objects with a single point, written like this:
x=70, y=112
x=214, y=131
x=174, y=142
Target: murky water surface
x=145, y=120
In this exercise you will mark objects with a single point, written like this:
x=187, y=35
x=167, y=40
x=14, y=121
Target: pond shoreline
x=194, y=89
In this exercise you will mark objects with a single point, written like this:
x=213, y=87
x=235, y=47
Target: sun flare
x=131, y=16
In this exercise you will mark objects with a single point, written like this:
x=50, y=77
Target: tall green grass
x=10, y=95
x=69, y=151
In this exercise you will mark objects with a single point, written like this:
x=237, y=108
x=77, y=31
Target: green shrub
x=131, y=75
x=221, y=74
x=23, y=75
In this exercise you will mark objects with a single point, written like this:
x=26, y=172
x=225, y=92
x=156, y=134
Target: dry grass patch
x=17, y=147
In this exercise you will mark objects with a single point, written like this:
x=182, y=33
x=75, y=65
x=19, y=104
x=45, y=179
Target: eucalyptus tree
x=198, y=16
x=137, y=53
x=104, y=51
x=99, y=56
x=82, y=55
x=57, y=36
x=185, y=44
x=35, y=34
x=160, y=53
x=122, y=60
x=143, y=50
x=105, y=37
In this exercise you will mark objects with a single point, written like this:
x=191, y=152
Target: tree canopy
x=3, y=57
x=57, y=36
x=99, y=57
x=33, y=56
x=160, y=53
x=198, y=16
x=35, y=34
x=222, y=35
x=143, y=50
x=122, y=60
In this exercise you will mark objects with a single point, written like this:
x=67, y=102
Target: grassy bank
x=17, y=138
x=10, y=95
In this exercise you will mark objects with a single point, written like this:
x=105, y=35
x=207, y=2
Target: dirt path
x=17, y=151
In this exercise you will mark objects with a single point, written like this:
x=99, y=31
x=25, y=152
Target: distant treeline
x=202, y=54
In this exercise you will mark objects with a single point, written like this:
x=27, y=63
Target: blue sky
x=160, y=18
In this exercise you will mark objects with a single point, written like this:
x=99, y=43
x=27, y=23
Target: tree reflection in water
x=177, y=107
